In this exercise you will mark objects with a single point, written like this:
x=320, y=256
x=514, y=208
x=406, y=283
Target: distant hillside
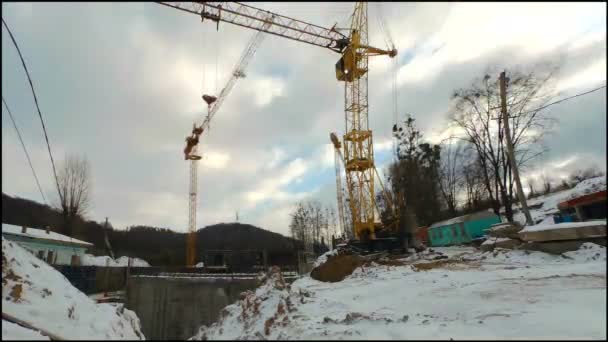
x=158, y=246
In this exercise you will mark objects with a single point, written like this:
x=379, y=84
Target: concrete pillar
x=579, y=213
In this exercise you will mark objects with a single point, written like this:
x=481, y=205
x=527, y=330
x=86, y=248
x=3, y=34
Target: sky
x=122, y=83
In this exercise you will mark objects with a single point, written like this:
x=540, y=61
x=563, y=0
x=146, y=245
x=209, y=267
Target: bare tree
x=450, y=173
x=580, y=175
x=477, y=112
x=546, y=183
x=532, y=193
x=74, y=190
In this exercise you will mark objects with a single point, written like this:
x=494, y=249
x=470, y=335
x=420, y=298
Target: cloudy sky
x=122, y=84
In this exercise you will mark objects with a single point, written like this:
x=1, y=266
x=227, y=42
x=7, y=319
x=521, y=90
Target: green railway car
x=462, y=229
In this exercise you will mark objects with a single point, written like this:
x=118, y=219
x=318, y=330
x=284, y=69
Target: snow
x=549, y=202
x=323, y=258
x=200, y=264
x=102, y=261
x=40, y=234
x=563, y=225
x=504, y=294
x=12, y=331
x=36, y=293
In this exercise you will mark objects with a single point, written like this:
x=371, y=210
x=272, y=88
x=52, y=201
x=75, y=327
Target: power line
x=565, y=99
x=24, y=149
x=48, y=145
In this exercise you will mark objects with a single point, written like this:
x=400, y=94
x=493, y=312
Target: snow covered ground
x=91, y=260
x=34, y=292
x=549, y=202
x=504, y=294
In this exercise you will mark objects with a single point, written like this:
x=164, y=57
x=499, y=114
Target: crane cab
x=346, y=67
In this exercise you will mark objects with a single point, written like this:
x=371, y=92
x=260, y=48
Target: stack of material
x=502, y=235
x=563, y=237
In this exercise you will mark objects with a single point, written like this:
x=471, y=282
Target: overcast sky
x=122, y=84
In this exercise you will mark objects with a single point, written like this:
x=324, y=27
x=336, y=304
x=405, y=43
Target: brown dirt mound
x=336, y=268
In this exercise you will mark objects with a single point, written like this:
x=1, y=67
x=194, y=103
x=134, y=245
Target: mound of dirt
x=336, y=268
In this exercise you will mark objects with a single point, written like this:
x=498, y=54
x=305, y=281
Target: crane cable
x=390, y=45
x=48, y=145
x=24, y=149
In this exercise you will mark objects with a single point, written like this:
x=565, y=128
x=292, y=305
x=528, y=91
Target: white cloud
x=266, y=89
x=215, y=160
x=137, y=85
x=593, y=75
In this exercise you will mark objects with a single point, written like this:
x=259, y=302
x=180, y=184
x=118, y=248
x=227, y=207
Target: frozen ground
x=505, y=294
x=34, y=292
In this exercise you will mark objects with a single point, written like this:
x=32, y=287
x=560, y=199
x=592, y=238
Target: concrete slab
x=564, y=231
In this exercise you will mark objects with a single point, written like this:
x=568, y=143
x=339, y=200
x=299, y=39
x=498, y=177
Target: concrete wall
x=174, y=308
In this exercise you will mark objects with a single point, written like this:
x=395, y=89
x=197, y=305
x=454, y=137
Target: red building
x=587, y=207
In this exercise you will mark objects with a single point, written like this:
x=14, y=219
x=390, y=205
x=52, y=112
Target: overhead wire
x=25, y=150
x=48, y=145
x=565, y=99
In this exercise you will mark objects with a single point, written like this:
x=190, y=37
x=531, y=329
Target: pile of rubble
x=502, y=235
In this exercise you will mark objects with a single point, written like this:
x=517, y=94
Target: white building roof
x=41, y=234
x=464, y=218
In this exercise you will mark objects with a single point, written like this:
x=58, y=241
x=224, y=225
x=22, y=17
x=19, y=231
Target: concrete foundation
x=173, y=308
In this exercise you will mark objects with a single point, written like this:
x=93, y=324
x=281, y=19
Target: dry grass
x=450, y=264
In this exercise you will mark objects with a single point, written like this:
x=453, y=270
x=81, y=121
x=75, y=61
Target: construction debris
x=564, y=231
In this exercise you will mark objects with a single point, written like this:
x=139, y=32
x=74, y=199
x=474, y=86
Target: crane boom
x=237, y=72
x=352, y=68
x=255, y=18
x=214, y=104
x=338, y=157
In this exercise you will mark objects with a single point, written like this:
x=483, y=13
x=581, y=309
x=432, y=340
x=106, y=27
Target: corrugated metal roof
x=464, y=218
x=41, y=234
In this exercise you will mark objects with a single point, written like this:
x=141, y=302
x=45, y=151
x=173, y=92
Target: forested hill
x=158, y=246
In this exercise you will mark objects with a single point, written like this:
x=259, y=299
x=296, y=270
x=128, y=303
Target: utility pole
x=510, y=153
x=105, y=236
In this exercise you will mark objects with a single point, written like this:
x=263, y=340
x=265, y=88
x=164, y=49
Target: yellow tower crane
x=338, y=160
x=191, y=149
x=351, y=68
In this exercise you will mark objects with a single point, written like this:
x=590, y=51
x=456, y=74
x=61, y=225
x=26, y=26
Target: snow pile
x=509, y=294
x=34, y=292
x=323, y=258
x=102, y=261
x=588, y=252
x=200, y=264
x=256, y=315
x=14, y=331
x=588, y=186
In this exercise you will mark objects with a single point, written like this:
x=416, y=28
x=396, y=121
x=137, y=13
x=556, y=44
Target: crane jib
x=255, y=18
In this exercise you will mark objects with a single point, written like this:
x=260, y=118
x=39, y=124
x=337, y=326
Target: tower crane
x=338, y=159
x=191, y=149
x=351, y=68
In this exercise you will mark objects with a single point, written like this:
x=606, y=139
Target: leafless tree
x=477, y=111
x=74, y=190
x=450, y=173
x=532, y=193
x=580, y=175
x=546, y=183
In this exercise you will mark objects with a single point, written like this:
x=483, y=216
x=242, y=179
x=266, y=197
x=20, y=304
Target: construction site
x=411, y=227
